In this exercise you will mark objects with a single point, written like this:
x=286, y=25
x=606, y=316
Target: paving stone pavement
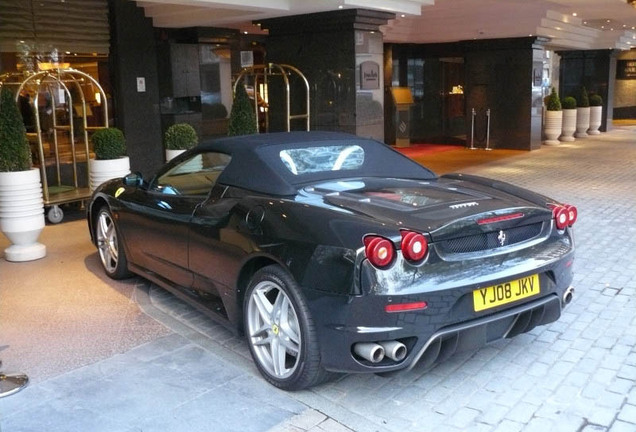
x=577, y=374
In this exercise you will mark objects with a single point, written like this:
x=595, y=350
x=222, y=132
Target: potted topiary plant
x=582, y=115
x=109, y=146
x=569, y=119
x=178, y=138
x=553, y=119
x=242, y=117
x=21, y=203
x=596, y=114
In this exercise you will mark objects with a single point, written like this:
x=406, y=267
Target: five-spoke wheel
x=274, y=329
x=111, y=255
x=280, y=331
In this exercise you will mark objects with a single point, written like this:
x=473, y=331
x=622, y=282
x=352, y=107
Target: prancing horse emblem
x=501, y=238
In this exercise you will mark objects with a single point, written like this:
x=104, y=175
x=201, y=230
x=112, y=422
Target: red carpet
x=418, y=150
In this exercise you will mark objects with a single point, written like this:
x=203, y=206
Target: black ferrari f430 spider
x=334, y=253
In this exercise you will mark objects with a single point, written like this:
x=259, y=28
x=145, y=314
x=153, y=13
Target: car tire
x=109, y=246
x=280, y=331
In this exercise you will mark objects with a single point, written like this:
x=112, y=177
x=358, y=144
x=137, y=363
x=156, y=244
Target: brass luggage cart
x=256, y=80
x=60, y=134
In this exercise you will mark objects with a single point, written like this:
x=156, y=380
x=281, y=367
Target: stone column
x=136, y=110
x=505, y=76
x=341, y=54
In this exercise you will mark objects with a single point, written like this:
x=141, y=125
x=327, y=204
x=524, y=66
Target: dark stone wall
x=133, y=55
x=596, y=70
x=624, y=86
x=327, y=59
x=499, y=78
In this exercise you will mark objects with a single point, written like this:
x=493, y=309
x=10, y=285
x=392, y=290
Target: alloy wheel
x=273, y=329
x=107, y=244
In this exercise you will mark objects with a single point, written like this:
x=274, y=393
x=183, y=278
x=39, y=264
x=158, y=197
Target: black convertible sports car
x=334, y=253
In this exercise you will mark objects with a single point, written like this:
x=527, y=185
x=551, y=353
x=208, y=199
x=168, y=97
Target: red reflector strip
x=500, y=218
x=405, y=307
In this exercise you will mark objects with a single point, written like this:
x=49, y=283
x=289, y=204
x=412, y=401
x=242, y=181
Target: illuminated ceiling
x=569, y=24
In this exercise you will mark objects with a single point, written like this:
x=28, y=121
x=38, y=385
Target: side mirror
x=134, y=179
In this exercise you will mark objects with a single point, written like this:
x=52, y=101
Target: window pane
x=321, y=159
x=194, y=176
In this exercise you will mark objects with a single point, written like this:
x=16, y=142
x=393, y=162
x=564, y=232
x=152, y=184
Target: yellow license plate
x=508, y=292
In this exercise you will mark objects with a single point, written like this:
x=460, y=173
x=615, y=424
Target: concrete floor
x=61, y=312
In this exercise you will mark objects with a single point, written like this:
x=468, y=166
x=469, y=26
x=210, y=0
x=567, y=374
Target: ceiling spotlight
x=574, y=14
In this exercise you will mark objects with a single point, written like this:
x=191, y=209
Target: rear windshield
x=322, y=159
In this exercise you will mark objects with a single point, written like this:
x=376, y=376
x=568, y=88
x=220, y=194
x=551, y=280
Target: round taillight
x=561, y=217
x=379, y=250
x=572, y=214
x=414, y=246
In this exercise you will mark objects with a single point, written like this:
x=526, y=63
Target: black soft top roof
x=256, y=164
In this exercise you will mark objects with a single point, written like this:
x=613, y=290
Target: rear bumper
x=474, y=334
x=430, y=344
x=448, y=325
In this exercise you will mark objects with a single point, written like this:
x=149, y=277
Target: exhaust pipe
x=568, y=295
x=394, y=350
x=370, y=351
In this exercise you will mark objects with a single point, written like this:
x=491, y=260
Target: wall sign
x=369, y=75
x=626, y=69
x=247, y=58
x=141, y=84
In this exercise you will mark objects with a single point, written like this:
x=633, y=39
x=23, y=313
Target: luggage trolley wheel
x=55, y=214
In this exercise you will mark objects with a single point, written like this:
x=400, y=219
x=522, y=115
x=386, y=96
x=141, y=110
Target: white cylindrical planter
x=106, y=169
x=171, y=154
x=582, y=122
x=22, y=214
x=596, y=113
x=569, y=125
x=552, y=127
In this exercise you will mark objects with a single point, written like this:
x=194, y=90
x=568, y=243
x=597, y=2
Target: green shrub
x=242, y=118
x=108, y=143
x=180, y=136
x=553, y=103
x=15, y=153
x=596, y=100
x=583, y=100
x=568, y=102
